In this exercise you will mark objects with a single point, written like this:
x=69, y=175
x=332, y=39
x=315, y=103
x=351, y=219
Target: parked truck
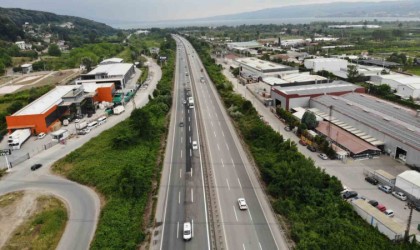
x=81, y=125
x=118, y=110
x=382, y=176
x=60, y=135
x=18, y=137
x=409, y=183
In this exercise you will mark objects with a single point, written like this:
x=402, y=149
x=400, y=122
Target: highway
x=233, y=175
x=185, y=198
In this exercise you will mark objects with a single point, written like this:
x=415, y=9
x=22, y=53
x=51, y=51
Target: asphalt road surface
x=234, y=177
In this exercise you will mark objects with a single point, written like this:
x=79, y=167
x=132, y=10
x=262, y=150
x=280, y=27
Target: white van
x=187, y=231
x=101, y=120
x=92, y=125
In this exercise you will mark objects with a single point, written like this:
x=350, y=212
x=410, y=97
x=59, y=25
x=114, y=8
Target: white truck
x=81, y=125
x=18, y=137
x=190, y=102
x=409, y=183
x=60, y=135
x=118, y=109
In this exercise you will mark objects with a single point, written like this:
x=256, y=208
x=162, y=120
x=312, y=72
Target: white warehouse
x=327, y=64
x=254, y=67
x=405, y=85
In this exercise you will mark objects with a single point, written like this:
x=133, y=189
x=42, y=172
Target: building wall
x=35, y=121
x=405, y=91
x=391, y=143
x=331, y=65
x=105, y=94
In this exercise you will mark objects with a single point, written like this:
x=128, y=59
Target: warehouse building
x=112, y=60
x=244, y=45
x=404, y=85
x=256, y=68
x=43, y=114
x=398, y=128
x=294, y=80
x=327, y=64
x=117, y=73
x=298, y=96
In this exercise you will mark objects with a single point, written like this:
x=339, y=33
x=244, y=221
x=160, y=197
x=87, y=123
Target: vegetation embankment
x=307, y=197
x=123, y=164
x=43, y=229
x=10, y=103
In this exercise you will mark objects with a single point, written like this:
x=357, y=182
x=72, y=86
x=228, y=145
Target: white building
x=112, y=60
x=244, y=45
x=256, y=68
x=117, y=73
x=407, y=90
x=395, y=80
x=26, y=68
x=327, y=64
x=21, y=45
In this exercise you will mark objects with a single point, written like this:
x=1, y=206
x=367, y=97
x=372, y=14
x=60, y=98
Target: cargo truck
x=118, y=110
x=409, y=183
x=18, y=137
x=60, y=135
x=81, y=125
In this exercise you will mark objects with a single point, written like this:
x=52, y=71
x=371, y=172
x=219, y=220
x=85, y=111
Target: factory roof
x=250, y=44
x=45, y=102
x=323, y=59
x=393, y=120
x=382, y=63
x=274, y=81
x=314, y=89
x=261, y=65
x=114, y=69
x=302, y=78
x=112, y=60
x=402, y=79
x=92, y=86
x=411, y=176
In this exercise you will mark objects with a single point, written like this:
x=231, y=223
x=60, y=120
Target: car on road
x=400, y=195
x=371, y=180
x=41, y=135
x=389, y=213
x=242, y=204
x=323, y=156
x=187, y=231
x=303, y=143
x=185, y=102
x=381, y=207
x=181, y=124
x=373, y=203
x=194, y=145
x=311, y=148
x=36, y=166
x=287, y=128
x=385, y=188
x=349, y=194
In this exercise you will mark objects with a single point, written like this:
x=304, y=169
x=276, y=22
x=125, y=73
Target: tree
x=309, y=119
x=2, y=68
x=54, y=50
x=87, y=62
x=352, y=73
x=381, y=35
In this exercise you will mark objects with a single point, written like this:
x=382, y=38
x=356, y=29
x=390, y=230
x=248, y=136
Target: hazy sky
x=152, y=10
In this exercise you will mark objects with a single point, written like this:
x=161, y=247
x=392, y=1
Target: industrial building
x=26, y=68
x=256, y=68
x=392, y=128
x=117, y=73
x=112, y=60
x=364, y=70
x=327, y=64
x=294, y=80
x=404, y=85
x=298, y=96
x=244, y=45
x=44, y=114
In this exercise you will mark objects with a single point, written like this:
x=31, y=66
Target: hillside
x=11, y=21
x=357, y=9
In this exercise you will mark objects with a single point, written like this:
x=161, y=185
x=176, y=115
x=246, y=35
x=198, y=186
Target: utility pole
x=410, y=206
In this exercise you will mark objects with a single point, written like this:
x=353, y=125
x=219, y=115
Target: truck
x=81, y=125
x=387, y=226
x=18, y=137
x=408, y=182
x=190, y=102
x=381, y=176
x=118, y=109
x=60, y=135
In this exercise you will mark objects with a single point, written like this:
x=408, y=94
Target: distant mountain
x=409, y=8
x=11, y=21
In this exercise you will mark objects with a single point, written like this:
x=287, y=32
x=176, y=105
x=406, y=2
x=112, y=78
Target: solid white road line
x=192, y=195
x=179, y=197
x=227, y=181
x=249, y=214
x=177, y=230
x=239, y=183
x=234, y=210
x=259, y=243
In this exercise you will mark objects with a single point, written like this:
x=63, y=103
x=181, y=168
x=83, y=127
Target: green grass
x=43, y=230
x=125, y=54
x=122, y=163
x=414, y=70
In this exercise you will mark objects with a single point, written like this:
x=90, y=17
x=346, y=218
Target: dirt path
x=15, y=208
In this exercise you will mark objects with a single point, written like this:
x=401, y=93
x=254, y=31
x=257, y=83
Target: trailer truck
x=18, y=137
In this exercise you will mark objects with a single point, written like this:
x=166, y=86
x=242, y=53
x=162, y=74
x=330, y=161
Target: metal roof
x=114, y=69
x=375, y=114
x=261, y=64
x=112, y=60
x=411, y=176
x=314, y=89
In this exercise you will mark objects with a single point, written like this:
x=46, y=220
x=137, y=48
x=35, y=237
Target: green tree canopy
x=309, y=119
x=54, y=50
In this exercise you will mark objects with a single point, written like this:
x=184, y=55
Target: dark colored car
x=36, y=166
x=349, y=194
x=373, y=203
x=371, y=180
x=311, y=148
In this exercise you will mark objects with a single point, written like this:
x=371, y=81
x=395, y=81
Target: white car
x=400, y=195
x=194, y=145
x=242, y=204
x=323, y=156
x=187, y=231
x=389, y=213
x=41, y=135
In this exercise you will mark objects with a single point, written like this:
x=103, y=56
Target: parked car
x=400, y=195
x=311, y=148
x=36, y=166
x=242, y=204
x=389, y=213
x=41, y=135
x=303, y=143
x=371, y=180
x=381, y=207
x=345, y=189
x=323, y=156
x=181, y=124
x=373, y=203
x=349, y=194
x=385, y=188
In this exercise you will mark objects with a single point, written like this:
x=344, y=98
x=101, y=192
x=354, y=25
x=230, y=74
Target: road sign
x=5, y=152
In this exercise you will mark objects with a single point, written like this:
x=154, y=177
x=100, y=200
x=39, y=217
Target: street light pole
x=410, y=206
